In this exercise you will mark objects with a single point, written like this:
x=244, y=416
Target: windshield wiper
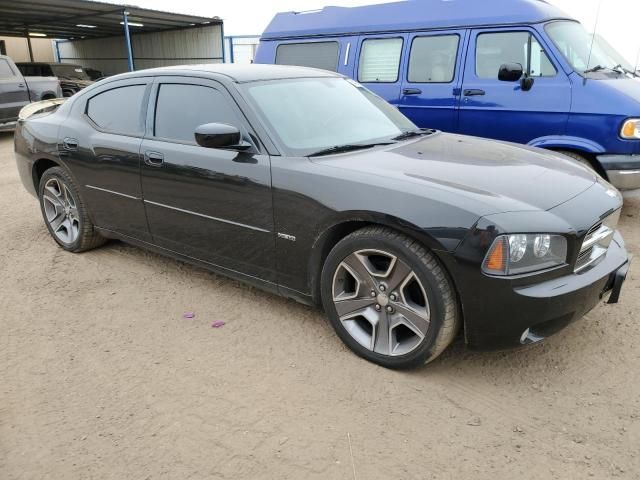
x=413, y=133
x=346, y=148
x=620, y=68
x=598, y=68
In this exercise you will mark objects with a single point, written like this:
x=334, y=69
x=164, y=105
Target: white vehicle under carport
x=16, y=91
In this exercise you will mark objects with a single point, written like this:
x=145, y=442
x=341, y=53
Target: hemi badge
x=287, y=237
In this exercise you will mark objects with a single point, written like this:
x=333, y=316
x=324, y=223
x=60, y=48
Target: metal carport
x=104, y=32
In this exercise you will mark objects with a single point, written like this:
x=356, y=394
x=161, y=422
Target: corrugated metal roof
x=86, y=19
x=410, y=15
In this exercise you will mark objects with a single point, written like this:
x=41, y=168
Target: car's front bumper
x=502, y=313
x=623, y=171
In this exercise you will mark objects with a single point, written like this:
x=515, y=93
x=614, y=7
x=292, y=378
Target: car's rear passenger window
x=5, y=69
x=322, y=55
x=118, y=110
x=433, y=59
x=380, y=60
x=181, y=108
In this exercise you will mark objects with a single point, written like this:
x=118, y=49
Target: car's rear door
x=13, y=92
x=430, y=94
x=100, y=141
x=210, y=204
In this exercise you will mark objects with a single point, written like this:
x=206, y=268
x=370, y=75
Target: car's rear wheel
x=389, y=299
x=64, y=213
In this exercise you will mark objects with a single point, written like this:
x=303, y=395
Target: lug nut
x=389, y=309
x=373, y=293
x=393, y=297
x=378, y=307
x=382, y=288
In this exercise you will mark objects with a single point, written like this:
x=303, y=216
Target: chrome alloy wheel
x=381, y=302
x=61, y=211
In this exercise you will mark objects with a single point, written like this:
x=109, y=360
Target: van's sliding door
x=379, y=64
x=430, y=93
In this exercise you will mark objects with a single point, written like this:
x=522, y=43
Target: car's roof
x=236, y=72
x=410, y=15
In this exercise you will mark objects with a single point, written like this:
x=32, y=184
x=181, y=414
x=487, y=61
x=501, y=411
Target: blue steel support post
x=127, y=39
x=224, y=60
x=57, y=44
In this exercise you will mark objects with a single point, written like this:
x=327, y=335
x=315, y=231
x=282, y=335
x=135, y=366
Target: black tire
x=87, y=237
x=580, y=158
x=440, y=294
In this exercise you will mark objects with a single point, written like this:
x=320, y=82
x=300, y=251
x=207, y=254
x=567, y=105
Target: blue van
x=515, y=70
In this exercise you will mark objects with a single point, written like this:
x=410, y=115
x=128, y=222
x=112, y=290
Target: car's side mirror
x=510, y=72
x=527, y=83
x=220, y=135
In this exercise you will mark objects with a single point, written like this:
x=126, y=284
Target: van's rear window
x=322, y=55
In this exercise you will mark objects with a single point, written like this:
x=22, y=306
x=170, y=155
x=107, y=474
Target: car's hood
x=497, y=176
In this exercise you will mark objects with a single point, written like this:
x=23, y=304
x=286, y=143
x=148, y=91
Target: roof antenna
x=593, y=37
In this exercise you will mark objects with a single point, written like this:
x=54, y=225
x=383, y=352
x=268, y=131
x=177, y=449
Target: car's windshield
x=575, y=43
x=69, y=71
x=311, y=114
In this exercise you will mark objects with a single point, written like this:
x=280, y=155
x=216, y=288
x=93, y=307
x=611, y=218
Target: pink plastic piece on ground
x=188, y=315
x=217, y=324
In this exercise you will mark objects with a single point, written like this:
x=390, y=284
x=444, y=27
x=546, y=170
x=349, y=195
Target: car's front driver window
x=181, y=108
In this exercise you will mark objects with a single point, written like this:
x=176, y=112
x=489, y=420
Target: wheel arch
x=39, y=167
x=580, y=145
x=341, y=227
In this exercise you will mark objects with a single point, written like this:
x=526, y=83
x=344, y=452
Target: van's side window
x=433, y=59
x=380, y=60
x=322, y=55
x=495, y=49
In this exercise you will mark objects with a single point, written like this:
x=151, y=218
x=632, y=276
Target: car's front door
x=504, y=110
x=210, y=204
x=13, y=92
x=430, y=94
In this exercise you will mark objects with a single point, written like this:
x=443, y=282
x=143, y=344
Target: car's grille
x=596, y=242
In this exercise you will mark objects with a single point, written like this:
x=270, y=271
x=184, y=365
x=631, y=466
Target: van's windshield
x=310, y=115
x=575, y=43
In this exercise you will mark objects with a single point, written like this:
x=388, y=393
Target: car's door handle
x=70, y=143
x=474, y=92
x=21, y=85
x=153, y=159
x=411, y=91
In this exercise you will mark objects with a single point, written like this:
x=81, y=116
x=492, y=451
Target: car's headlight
x=631, y=129
x=525, y=253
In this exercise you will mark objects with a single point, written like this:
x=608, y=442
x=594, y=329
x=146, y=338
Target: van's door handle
x=153, y=159
x=411, y=91
x=21, y=85
x=474, y=92
x=70, y=143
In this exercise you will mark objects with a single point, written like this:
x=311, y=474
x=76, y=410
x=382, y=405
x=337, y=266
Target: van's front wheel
x=582, y=159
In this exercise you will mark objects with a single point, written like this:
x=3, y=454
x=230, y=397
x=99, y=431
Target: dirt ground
x=102, y=378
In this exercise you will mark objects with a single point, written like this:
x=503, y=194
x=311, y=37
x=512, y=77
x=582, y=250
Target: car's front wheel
x=389, y=299
x=64, y=212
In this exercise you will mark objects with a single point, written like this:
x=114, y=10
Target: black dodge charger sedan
x=306, y=184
